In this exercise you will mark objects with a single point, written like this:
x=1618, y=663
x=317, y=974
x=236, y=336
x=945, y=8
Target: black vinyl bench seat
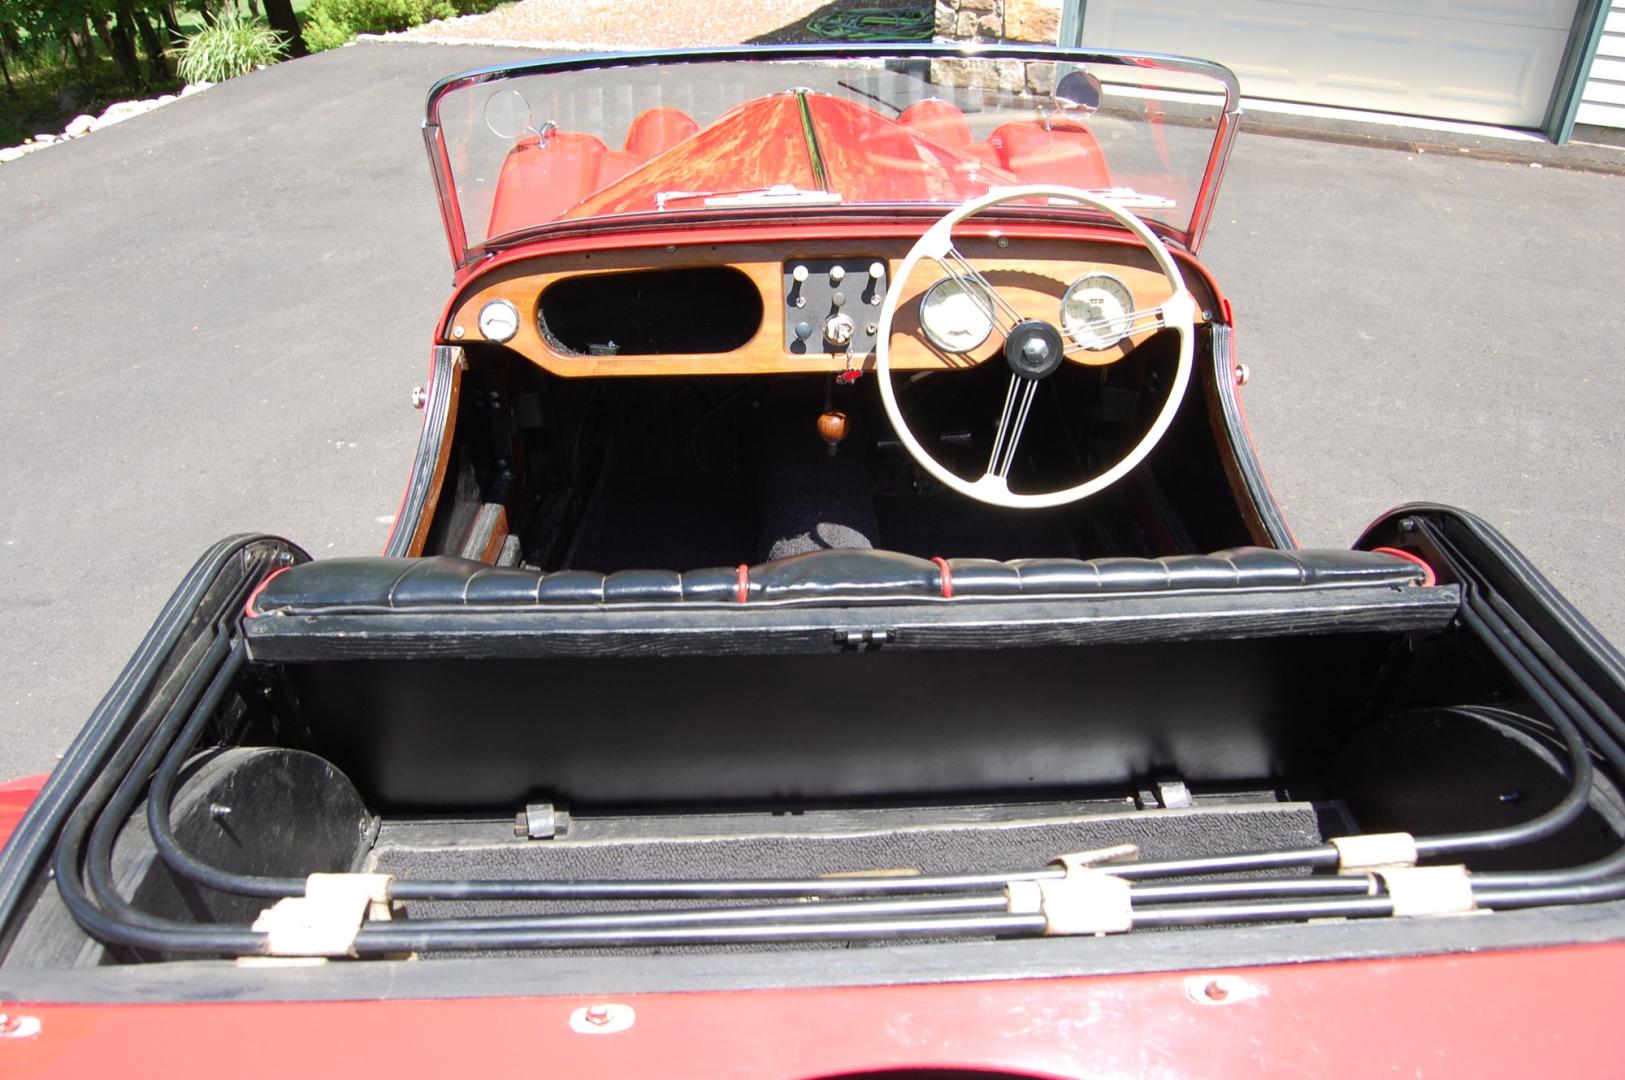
x=832, y=578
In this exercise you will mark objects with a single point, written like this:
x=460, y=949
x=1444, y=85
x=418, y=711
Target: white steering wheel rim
x=1178, y=314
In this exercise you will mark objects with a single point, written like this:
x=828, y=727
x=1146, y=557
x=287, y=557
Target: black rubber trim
x=1241, y=446
x=436, y=414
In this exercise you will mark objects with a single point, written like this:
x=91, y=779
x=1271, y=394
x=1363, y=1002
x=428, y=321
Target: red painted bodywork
x=1534, y=1013
x=15, y=795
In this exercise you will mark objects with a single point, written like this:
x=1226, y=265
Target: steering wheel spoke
x=1129, y=324
x=1018, y=402
x=1003, y=314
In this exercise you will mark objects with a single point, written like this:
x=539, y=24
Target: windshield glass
x=555, y=144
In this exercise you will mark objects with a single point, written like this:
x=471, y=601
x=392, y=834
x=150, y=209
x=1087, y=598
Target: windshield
x=523, y=149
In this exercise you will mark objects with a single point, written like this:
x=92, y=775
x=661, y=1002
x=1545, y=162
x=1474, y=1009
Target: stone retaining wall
x=962, y=21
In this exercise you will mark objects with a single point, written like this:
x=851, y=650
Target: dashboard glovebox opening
x=693, y=309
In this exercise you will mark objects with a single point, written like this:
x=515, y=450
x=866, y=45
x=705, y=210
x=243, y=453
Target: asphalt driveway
x=211, y=317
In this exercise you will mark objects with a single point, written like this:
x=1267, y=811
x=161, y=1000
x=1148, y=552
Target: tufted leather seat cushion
x=836, y=576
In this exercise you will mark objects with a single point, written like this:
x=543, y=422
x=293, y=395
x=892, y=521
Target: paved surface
x=213, y=314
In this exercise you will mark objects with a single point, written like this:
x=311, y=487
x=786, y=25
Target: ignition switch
x=838, y=331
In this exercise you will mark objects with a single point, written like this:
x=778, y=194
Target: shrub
x=230, y=45
x=330, y=23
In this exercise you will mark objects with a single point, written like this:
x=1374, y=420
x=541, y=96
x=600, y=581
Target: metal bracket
x=541, y=821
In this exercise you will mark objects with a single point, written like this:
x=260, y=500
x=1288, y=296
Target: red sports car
x=836, y=625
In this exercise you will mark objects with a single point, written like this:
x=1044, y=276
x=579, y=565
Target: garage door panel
x=1387, y=56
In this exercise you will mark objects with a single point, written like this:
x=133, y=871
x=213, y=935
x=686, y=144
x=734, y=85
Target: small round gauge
x=956, y=314
x=1096, y=311
x=499, y=321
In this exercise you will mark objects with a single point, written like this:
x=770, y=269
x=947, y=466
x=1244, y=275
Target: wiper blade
x=777, y=195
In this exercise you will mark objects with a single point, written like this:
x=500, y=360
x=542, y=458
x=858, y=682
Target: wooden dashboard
x=1031, y=274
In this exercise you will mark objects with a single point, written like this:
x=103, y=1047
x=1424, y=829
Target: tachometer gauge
x=956, y=314
x=1095, y=311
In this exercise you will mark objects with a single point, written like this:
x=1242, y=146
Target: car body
x=836, y=624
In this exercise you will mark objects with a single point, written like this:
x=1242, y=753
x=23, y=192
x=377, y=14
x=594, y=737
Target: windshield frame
x=463, y=253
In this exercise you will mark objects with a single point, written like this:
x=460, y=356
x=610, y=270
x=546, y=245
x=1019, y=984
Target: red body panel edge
x=1528, y=1013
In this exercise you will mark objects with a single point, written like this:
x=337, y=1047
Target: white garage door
x=1486, y=61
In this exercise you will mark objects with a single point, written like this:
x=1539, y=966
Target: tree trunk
x=11, y=39
x=279, y=13
x=123, y=33
x=172, y=25
x=157, y=65
x=4, y=70
x=98, y=22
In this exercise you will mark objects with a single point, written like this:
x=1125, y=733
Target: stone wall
x=962, y=21
x=999, y=20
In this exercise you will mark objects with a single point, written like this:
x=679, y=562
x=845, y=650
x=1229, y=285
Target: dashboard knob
x=837, y=273
x=877, y=270
x=838, y=299
x=799, y=274
x=803, y=331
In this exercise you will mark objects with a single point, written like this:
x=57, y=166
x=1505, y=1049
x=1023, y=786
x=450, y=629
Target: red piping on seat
x=947, y=577
x=248, y=605
x=744, y=582
x=1429, y=578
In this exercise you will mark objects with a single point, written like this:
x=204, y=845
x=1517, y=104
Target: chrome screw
x=420, y=397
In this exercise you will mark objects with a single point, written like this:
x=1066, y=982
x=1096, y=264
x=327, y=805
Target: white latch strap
x=326, y=920
x=1086, y=902
x=1429, y=890
x=1375, y=851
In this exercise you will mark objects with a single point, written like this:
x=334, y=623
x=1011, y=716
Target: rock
x=191, y=88
x=165, y=99
x=989, y=26
x=78, y=126
x=11, y=153
x=45, y=139
x=122, y=108
x=977, y=5
x=1041, y=78
x=1033, y=20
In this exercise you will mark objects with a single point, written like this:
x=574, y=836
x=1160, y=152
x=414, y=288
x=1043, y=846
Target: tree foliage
x=68, y=36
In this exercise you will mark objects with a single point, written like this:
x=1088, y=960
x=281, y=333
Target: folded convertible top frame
x=162, y=736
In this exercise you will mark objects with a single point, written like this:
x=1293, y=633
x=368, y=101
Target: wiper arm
x=777, y=195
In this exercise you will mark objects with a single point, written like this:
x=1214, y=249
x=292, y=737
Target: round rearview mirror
x=507, y=114
x=1077, y=90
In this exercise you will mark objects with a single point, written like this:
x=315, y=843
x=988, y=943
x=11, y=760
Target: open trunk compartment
x=1259, y=766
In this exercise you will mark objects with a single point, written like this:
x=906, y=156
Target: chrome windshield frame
x=1228, y=122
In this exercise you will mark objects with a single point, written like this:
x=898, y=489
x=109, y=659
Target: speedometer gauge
x=1096, y=311
x=956, y=314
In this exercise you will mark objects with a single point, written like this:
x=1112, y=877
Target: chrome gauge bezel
x=1098, y=335
x=964, y=285
x=506, y=310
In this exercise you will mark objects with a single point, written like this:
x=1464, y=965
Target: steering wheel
x=1034, y=349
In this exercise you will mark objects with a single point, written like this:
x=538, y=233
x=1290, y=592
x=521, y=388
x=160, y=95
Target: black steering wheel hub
x=1033, y=349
